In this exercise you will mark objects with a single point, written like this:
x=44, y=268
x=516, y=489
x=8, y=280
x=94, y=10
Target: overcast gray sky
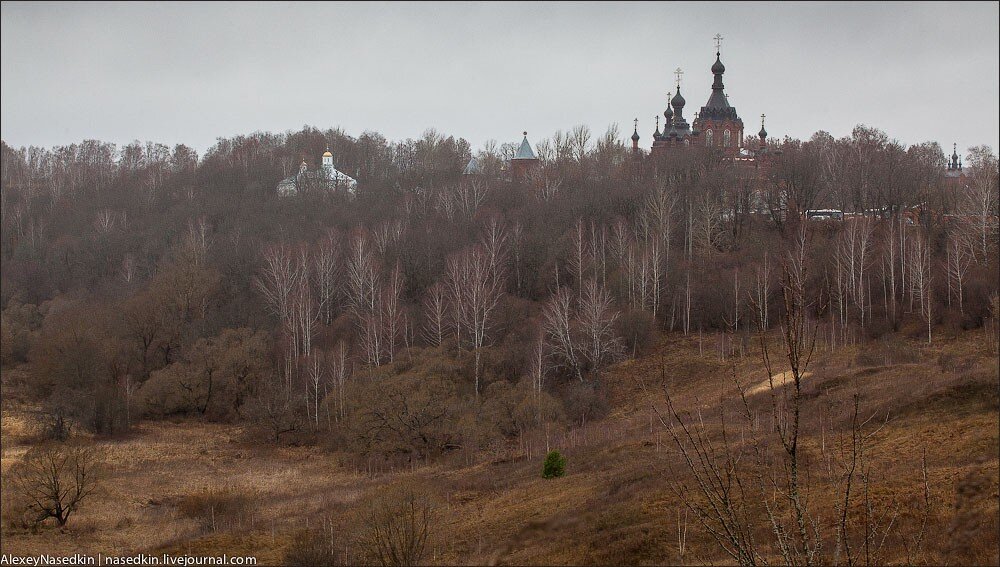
x=191, y=72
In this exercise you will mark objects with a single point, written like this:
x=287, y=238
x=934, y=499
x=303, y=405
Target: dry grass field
x=201, y=488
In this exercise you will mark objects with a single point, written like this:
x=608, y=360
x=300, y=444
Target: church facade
x=717, y=124
x=327, y=179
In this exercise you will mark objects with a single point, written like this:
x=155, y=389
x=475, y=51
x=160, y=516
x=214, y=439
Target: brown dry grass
x=614, y=505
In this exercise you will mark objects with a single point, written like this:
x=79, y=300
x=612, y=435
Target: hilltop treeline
x=434, y=312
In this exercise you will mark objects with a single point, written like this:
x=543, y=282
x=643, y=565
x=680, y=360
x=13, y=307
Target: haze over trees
x=145, y=281
x=436, y=315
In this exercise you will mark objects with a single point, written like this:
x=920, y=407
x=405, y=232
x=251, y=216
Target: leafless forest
x=438, y=322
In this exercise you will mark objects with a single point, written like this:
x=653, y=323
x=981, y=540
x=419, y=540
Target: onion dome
x=718, y=107
x=635, y=135
x=678, y=101
x=763, y=133
x=718, y=68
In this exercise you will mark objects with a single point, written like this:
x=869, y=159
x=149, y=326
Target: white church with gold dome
x=327, y=179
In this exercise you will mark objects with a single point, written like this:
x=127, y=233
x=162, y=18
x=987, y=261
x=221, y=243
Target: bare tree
x=278, y=282
x=198, y=239
x=799, y=341
x=761, y=292
x=105, y=221
x=339, y=372
x=475, y=288
x=56, y=479
x=306, y=309
x=959, y=258
x=982, y=197
x=537, y=363
x=436, y=314
x=364, y=290
x=316, y=384
x=277, y=279
x=516, y=241
x=393, y=318
x=494, y=240
x=363, y=274
x=557, y=317
x=326, y=260
x=386, y=236
x=470, y=195
x=735, y=476
x=398, y=527
x=597, y=317
x=852, y=257
x=920, y=279
x=578, y=259
x=547, y=184
x=579, y=140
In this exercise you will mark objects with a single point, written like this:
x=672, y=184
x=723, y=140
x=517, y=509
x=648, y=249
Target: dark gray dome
x=678, y=101
x=718, y=68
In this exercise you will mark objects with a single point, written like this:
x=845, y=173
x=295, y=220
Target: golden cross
x=718, y=42
x=678, y=74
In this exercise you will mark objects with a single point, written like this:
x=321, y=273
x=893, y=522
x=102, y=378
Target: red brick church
x=716, y=125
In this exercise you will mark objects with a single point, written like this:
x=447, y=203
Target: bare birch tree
x=326, y=269
x=982, y=197
x=557, y=317
x=475, y=288
x=597, y=317
x=920, y=279
x=959, y=259
x=437, y=312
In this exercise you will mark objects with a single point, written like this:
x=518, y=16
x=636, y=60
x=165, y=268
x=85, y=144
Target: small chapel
x=326, y=179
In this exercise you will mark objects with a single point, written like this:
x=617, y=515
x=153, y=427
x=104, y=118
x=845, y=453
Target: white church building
x=327, y=178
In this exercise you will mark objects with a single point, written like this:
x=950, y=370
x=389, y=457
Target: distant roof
x=717, y=101
x=525, y=151
x=472, y=168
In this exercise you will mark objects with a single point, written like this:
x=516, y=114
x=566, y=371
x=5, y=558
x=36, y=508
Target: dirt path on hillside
x=779, y=381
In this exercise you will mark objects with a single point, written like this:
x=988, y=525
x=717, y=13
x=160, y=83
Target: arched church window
x=708, y=137
x=726, y=138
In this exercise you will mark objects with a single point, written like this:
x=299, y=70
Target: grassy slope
x=614, y=505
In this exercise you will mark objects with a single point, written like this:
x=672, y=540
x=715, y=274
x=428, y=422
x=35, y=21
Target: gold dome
x=327, y=154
